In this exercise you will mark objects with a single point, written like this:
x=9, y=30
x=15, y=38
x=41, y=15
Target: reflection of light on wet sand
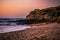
x=4, y=29
x=45, y=25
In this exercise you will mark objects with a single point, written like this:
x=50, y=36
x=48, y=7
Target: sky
x=21, y=8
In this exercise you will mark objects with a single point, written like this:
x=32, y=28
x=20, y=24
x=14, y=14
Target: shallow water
x=4, y=29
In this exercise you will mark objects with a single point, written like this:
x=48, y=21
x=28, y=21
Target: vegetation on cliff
x=49, y=14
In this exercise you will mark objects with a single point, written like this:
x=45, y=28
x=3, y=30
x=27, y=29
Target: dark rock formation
x=49, y=14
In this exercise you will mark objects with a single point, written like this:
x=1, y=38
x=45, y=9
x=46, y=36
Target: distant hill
x=51, y=14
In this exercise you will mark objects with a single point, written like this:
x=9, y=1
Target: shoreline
x=42, y=25
x=34, y=33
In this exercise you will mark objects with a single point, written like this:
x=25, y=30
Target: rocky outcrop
x=49, y=14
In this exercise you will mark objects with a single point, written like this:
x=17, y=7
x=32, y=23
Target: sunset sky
x=21, y=8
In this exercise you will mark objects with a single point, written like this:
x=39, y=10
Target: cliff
x=48, y=14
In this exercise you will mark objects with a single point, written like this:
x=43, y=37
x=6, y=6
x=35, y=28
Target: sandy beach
x=43, y=32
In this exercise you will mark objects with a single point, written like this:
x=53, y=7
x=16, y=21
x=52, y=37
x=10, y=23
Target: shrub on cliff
x=49, y=14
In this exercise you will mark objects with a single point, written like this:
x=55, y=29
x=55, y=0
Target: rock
x=48, y=14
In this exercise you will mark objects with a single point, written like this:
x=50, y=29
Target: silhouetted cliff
x=49, y=14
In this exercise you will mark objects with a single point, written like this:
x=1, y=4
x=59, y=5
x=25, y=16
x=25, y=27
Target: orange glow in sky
x=21, y=8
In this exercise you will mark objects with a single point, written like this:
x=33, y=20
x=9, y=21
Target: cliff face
x=50, y=14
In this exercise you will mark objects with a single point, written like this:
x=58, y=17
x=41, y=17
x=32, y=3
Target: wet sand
x=43, y=32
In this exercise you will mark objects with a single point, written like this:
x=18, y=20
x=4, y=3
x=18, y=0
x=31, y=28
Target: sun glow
x=18, y=8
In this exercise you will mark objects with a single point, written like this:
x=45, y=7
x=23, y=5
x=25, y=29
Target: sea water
x=5, y=29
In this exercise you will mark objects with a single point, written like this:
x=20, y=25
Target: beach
x=43, y=32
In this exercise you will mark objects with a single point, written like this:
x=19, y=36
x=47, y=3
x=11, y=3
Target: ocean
x=5, y=29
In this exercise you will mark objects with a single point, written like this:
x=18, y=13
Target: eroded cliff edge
x=51, y=14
